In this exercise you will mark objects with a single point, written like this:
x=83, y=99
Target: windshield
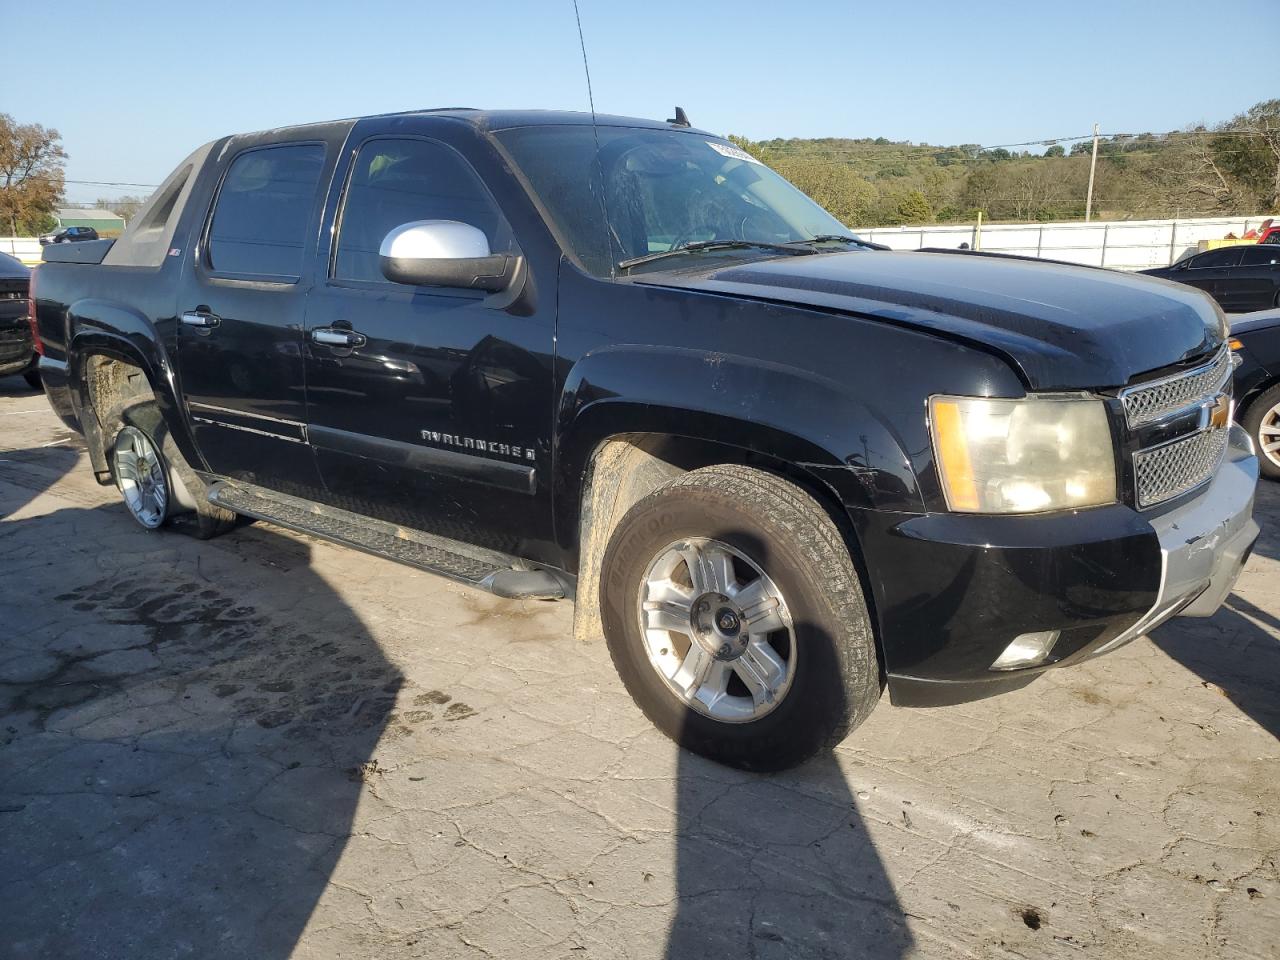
x=662, y=190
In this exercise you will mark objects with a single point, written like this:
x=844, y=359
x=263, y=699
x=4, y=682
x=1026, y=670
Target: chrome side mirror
x=444, y=253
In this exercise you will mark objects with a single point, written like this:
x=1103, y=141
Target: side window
x=259, y=224
x=398, y=181
x=1225, y=257
x=1261, y=256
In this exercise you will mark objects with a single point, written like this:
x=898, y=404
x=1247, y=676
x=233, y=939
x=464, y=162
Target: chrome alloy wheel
x=140, y=477
x=717, y=630
x=1269, y=434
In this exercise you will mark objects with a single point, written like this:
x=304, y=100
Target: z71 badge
x=479, y=446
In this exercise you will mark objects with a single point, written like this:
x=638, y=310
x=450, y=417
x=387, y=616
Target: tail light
x=31, y=313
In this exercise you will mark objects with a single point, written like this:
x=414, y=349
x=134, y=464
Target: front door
x=427, y=407
x=241, y=312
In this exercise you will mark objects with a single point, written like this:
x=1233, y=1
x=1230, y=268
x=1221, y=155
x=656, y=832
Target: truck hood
x=1063, y=327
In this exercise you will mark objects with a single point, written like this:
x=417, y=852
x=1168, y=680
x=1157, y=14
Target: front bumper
x=968, y=585
x=1204, y=544
x=17, y=352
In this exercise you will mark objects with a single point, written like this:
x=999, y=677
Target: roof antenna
x=681, y=118
x=595, y=133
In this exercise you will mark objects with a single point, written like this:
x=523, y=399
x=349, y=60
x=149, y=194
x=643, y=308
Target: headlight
x=1022, y=456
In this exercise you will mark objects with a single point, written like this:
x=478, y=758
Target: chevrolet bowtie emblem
x=1218, y=411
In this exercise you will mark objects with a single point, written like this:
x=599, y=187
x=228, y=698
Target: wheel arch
x=633, y=416
x=1254, y=401
x=1255, y=391
x=112, y=362
x=626, y=467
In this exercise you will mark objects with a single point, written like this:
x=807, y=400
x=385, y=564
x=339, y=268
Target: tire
x=1263, y=414
x=144, y=416
x=783, y=546
x=33, y=379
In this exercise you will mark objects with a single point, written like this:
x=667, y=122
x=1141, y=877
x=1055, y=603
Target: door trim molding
x=293, y=431
x=412, y=456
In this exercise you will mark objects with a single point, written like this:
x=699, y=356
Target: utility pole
x=1093, y=165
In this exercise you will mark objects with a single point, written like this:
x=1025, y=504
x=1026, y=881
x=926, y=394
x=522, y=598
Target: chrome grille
x=1174, y=468
x=1150, y=402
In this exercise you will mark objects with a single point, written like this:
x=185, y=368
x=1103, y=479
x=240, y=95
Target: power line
x=110, y=183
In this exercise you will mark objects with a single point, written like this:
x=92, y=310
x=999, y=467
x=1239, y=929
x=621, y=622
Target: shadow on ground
x=780, y=866
x=1238, y=650
x=17, y=387
x=180, y=761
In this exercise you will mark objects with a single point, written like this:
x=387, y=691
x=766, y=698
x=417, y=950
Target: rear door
x=1208, y=271
x=241, y=311
x=438, y=414
x=1256, y=282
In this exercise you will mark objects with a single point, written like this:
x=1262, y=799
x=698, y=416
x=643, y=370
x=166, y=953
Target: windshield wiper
x=711, y=245
x=830, y=237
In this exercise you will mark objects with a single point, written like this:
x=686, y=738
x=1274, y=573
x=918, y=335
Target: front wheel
x=736, y=620
x=1262, y=420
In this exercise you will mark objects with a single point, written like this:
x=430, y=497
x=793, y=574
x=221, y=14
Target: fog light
x=1027, y=650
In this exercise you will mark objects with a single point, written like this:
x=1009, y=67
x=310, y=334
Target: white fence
x=26, y=249
x=1121, y=244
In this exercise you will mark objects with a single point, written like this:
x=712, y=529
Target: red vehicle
x=1269, y=232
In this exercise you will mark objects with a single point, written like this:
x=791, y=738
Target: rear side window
x=259, y=224
x=394, y=182
x=1261, y=256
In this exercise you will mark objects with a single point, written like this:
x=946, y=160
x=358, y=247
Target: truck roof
x=506, y=119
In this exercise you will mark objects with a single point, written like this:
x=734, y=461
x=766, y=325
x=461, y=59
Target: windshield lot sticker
x=732, y=152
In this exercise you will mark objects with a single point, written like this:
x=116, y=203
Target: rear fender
x=99, y=328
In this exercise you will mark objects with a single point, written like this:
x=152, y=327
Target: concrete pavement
x=266, y=746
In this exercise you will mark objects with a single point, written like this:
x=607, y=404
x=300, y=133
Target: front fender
x=783, y=412
x=103, y=328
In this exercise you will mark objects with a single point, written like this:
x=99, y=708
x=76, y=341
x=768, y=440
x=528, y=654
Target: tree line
x=1230, y=168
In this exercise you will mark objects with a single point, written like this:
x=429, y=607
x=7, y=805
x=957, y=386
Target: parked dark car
x=17, y=345
x=70, y=235
x=1255, y=339
x=1240, y=278
x=779, y=468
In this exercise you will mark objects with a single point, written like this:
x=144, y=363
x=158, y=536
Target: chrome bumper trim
x=1203, y=544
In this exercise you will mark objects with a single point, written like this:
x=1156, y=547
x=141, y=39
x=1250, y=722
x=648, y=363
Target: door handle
x=338, y=338
x=198, y=318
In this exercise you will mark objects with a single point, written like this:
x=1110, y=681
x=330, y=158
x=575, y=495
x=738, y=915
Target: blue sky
x=171, y=75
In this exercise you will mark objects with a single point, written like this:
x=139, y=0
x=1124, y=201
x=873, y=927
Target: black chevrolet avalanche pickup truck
x=777, y=468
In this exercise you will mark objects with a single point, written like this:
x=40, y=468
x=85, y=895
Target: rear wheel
x=141, y=477
x=1262, y=420
x=736, y=620
x=144, y=445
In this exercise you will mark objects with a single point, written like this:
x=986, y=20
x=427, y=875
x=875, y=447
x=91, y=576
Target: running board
x=475, y=566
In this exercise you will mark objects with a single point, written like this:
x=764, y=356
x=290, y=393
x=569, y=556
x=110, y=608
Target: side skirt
x=498, y=573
